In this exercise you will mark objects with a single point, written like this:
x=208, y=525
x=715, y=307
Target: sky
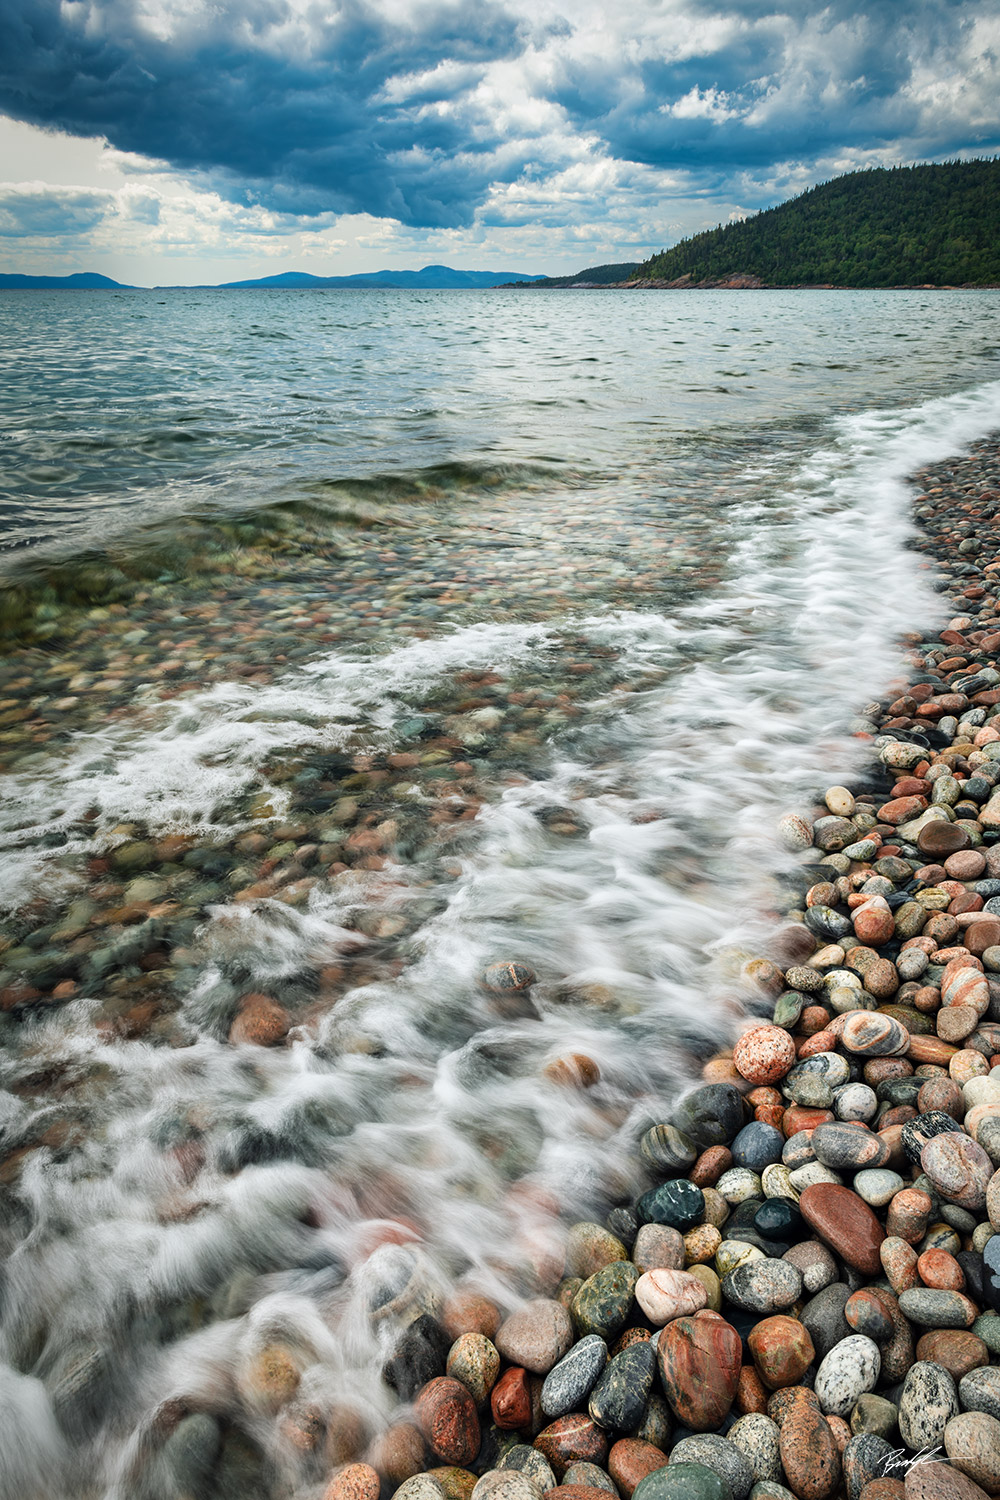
x=180, y=141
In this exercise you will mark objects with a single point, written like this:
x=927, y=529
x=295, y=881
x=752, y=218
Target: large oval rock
x=846, y=1223
x=664, y=1295
x=979, y=1390
x=710, y=1116
x=570, y=1440
x=782, y=1351
x=757, y=1438
x=928, y=1402
x=699, y=1360
x=959, y=1169
x=683, y=1482
x=678, y=1203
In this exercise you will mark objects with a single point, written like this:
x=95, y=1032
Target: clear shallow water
x=512, y=643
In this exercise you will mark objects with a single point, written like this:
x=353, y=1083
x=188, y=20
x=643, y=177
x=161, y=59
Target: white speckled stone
x=850, y=1370
x=757, y=1438
x=739, y=1184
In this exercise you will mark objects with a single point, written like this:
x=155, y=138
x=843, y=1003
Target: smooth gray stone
x=720, y=1455
x=569, y=1383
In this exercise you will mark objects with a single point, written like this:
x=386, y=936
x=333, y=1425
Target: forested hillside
x=903, y=226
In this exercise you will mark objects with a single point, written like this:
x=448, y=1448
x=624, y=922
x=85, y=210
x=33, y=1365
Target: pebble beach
x=805, y=1301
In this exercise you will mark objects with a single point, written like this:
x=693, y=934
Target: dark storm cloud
x=398, y=108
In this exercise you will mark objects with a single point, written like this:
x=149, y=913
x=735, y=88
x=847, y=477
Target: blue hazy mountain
x=85, y=281
x=429, y=276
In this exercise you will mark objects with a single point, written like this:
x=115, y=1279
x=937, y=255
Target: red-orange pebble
x=764, y=1054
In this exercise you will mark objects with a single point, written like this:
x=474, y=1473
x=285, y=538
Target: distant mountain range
x=430, y=277
x=81, y=281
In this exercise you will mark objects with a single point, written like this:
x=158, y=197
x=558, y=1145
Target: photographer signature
x=900, y=1462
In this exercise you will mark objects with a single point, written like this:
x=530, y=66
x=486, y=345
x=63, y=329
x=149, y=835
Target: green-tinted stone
x=916, y=1023
x=788, y=1008
x=603, y=1303
x=987, y=1328
x=677, y=1203
x=682, y=1482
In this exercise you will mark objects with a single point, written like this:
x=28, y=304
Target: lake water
x=355, y=642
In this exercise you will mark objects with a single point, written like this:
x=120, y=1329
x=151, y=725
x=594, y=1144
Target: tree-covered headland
x=902, y=226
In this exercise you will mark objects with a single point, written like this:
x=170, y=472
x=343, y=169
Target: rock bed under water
x=806, y=1301
x=806, y=1295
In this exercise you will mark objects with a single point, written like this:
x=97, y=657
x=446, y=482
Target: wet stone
x=866, y=1314
x=446, y=1415
x=972, y=1443
x=589, y=1247
x=957, y=1350
x=824, y=1318
x=536, y=1336
x=603, y=1303
x=813, y=1259
x=474, y=1361
x=658, y=1247
x=848, y=1147
x=532, y=1464
x=916, y=1133
x=502, y=1484
x=664, y=1295
x=778, y=1219
x=510, y=1399
x=569, y=1383
x=667, y=1150
x=683, y=1481
x=958, y=1168
x=710, y=1116
x=864, y=1459
x=809, y=1454
x=354, y=1482
x=876, y=1415
x=877, y=1186
x=572, y=1439
x=419, y=1356
x=618, y=1399
x=676, y=1203
x=847, y=1224
x=590, y=1476
x=782, y=1351
x=630, y=1460
x=757, y=1146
